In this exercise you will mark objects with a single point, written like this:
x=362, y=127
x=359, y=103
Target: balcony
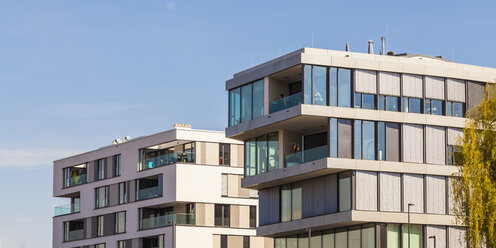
x=76, y=235
x=167, y=159
x=165, y=154
x=75, y=175
x=165, y=220
x=307, y=156
x=148, y=193
x=286, y=102
x=67, y=209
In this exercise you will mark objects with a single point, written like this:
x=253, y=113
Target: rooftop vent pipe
x=371, y=47
x=347, y=47
x=383, y=44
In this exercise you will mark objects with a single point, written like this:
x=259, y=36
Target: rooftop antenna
x=383, y=45
x=371, y=47
x=347, y=47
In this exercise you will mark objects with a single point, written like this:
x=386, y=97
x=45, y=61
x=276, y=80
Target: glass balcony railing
x=286, y=102
x=67, y=209
x=165, y=220
x=76, y=235
x=148, y=193
x=171, y=158
x=77, y=180
x=307, y=156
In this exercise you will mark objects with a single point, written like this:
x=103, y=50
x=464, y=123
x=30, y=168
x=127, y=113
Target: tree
x=475, y=185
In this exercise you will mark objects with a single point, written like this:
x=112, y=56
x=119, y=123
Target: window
x=334, y=137
x=291, y=202
x=434, y=107
x=344, y=185
x=246, y=102
x=122, y=244
x=340, y=87
x=364, y=139
x=416, y=239
x=456, y=109
x=224, y=154
x=389, y=103
x=393, y=235
x=261, y=154
x=368, y=236
x=75, y=175
x=412, y=105
x=341, y=238
x=101, y=197
x=354, y=237
x=453, y=155
x=253, y=216
x=223, y=241
x=99, y=225
x=122, y=193
x=120, y=222
x=74, y=230
x=246, y=241
x=315, y=85
x=101, y=169
x=381, y=133
x=364, y=101
x=100, y=245
x=222, y=215
x=117, y=165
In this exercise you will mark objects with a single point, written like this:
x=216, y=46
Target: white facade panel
x=412, y=85
x=454, y=135
x=390, y=192
x=224, y=185
x=435, y=148
x=456, y=237
x=413, y=192
x=413, y=143
x=365, y=81
x=439, y=232
x=456, y=90
x=434, y=87
x=366, y=192
x=389, y=83
x=436, y=194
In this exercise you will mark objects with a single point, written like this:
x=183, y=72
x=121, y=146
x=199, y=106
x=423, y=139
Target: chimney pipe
x=347, y=47
x=371, y=47
x=383, y=44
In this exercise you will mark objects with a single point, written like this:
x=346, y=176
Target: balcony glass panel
x=76, y=234
x=67, y=209
x=307, y=156
x=153, y=157
x=286, y=102
x=152, y=192
x=165, y=220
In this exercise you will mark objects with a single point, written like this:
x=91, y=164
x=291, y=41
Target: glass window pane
x=404, y=104
x=302, y=241
x=427, y=106
x=368, y=237
x=334, y=137
x=250, y=163
x=296, y=203
x=368, y=133
x=273, y=151
x=392, y=103
x=285, y=203
x=234, y=106
x=415, y=105
x=358, y=100
x=341, y=238
x=316, y=241
x=334, y=86
x=344, y=193
x=382, y=103
x=358, y=139
x=368, y=101
x=354, y=239
x=292, y=242
x=449, y=107
x=437, y=107
x=262, y=154
x=319, y=85
x=246, y=103
x=382, y=140
x=328, y=240
x=458, y=109
x=280, y=243
x=344, y=87
x=416, y=240
x=307, y=71
x=227, y=215
x=393, y=235
x=258, y=99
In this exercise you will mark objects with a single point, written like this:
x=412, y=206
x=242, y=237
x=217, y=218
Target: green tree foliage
x=475, y=188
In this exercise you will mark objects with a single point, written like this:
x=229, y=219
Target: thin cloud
x=171, y=5
x=32, y=157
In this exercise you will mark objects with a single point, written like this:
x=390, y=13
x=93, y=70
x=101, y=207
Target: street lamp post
x=309, y=230
x=433, y=237
x=409, y=205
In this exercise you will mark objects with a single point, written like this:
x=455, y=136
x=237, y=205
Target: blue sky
x=74, y=75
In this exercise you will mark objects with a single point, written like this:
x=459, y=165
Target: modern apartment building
x=346, y=149
x=179, y=188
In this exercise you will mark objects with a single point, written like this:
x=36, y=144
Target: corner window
x=315, y=85
x=224, y=154
x=75, y=175
x=261, y=154
x=246, y=102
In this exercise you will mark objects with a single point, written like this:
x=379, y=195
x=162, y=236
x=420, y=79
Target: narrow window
x=368, y=140
x=122, y=193
x=427, y=106
x=234, y=107
x=273, y=151
x=285, y=203
x=404, y=104
x=222, y=215
x=101, y=169
x=224, y=154
x=101, y=196
x=344, y=191
x=246, y=102
x=296, y=203
x=120, y=222
x=334, y=137
x=344, y=87
x=250, y=157
x=224, y=185
x=382, y=102
x=358, y=139
x=223, y=241
x=319, y=85
x=358, y=100
x=117, y=165
x=253, y=216
x=99, y=226
x=258, y=99
x=334, y=86
x=381, y=126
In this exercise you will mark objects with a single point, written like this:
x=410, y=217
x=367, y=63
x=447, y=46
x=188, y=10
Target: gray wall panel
x=436, y=194
x=113, y=194
x=108, y=224
x=434, y=87
x=435, y=147
x=365, y=81
x=319, y=196
x=389, y=83
x=392, y=142
x=412, y=85
x=413, y=143
x=366, y=190
x=390, y=192
x=456, y=90
x=454, y=135
x=439, y=232
x=476, y=92
x=456, y=237
x=269, y=206
x=413, y=192
x=344, y=138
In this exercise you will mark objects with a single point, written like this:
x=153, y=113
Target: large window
x=261, y=154
x=291, y=202
x=75, y=175
x=340, y=138
x=456, y=109
x=164, y=154
x=364, y=139
x=224, y=154
x=340, y=87
x=412, y=105
x=101, y=197
x=222, y=215
x=100, y=224
x=315, y=85
x=74, y=230
x=246, y=102
x=393, y=236
x=415, y=236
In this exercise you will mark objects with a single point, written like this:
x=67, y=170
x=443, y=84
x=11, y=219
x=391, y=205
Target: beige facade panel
x=389, y=83
x=215, y=241
x=436, y=194
x=412, y=85
x=233, y=185
x=456, y=237
x=435, y=147
x=234, y=241
x=413, y=143
x=390, y=191
x=200, y=214
x=366, y=192
x=456, y=90
x=439, y=232
x=200, y=152
x=413, y=192
x=241, y=155
x=234, y=218
x=237, y=157
x=212, y=153
x=244, y=216
x=454, y=135
x=434, y=87
x=365, y=81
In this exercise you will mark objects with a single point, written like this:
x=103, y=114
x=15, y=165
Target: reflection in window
x=222, y=215
x=315, y=84
x=101, y=169
x=416, y=239
x=389, y=103
x=412, y=105
x=334, y=137
x=364, y=101
x=364, y=140
x=381, y=131
x=456, y=109
x=393, y=235
x=75, y=175
x=453, y=155
x=234, y=106
x=120, y=222
x=246, y=102
x=117, y=165
x=434, y=107
x=101, y=197
x=261, y=153
x=340, y=87
x=224, y=154
x=354, y=237
x=291, y=202
x=122, y=193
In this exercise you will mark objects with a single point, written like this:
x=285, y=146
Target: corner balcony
x=166, y=154
x=67, y=209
